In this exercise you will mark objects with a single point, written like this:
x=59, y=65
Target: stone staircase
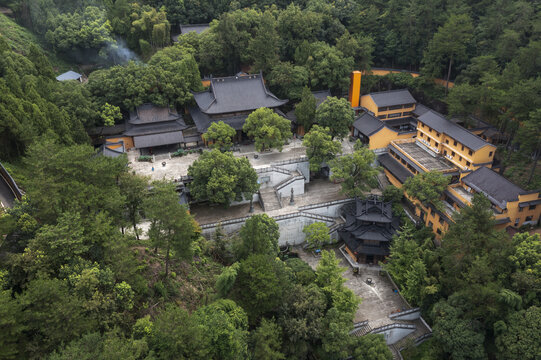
x=269, y=199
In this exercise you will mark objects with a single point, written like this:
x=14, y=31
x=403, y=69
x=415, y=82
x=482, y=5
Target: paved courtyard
x=378, y=301
x=178, y=166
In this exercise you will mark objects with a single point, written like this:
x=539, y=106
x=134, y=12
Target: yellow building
x=387, y=105
x=448, y=148
x=462, y=148
x=378, y=134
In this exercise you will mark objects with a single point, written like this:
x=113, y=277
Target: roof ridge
x=497, y=174
x=388, y=91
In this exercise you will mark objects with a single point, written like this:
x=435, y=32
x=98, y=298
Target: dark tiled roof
x=374, y=211
x=70, y=75
x=394, y=167
x=105, y=150
x=167, y=138
x=236, y=94
x=392, y=97
x=198, y=28
x=497, y=188
x=368, y=124
x=203, y=121
x=441, y=124
x=149, y=129
x=149, y=113
x=107, y=130
x=321, y=96
x=420, y=109
x=529, y=203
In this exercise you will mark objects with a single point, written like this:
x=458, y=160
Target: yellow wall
x=461, y=157
x=384, y=136
x=367, y=102
x=355, y=88
x=128, y=141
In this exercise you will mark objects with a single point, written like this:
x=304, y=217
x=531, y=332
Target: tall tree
x=133, y=188
x=171, y=226
x=427, y=187
x=449, y=44
x=267, y=341
x=269, y=129
x=263, y=48
x=259, y=235
x=356, y=171
x=220, y=134
x=337, y=115
x=305, y=110
x=320, y=147
x=317, y=234
x=222, y=178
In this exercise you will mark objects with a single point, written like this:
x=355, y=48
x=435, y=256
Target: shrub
x=145, y=158
x=179, y=152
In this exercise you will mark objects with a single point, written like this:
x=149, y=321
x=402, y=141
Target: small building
x=378, y=134
x=70, y=75
x=231, y=99
x=393, y=104
x=188, y=28
x=320, y=96
x=151, y=126
x=369, y=229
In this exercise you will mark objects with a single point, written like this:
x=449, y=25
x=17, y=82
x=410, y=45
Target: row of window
x=531, y=207
x=395, y=115
x=395, y=107
x=455, y=143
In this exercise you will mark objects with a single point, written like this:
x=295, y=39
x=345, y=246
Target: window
x=447, y=141
x=462, y=147
x=394, y=115
x=454, y=143
x=395, y=107
x=520, y=209
x=490, y=153
x=529, y=218
x=470, y=152
x=532, y=207
x=429, y=130
x=421, y=135
x=460, y=158
x=382, y=117
x=517, y=221
x=452, y=153
x=408, y=105
x=406, y=113
x=437, y=134
x=438, y=231
x=382, y=109
x=467, y=163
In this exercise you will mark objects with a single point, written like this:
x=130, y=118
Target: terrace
x=427, y=160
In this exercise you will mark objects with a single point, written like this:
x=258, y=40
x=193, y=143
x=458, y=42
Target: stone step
x=269, y=199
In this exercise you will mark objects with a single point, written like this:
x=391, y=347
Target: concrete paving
x=378, y=301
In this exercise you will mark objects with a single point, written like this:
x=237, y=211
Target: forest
x=77, y=281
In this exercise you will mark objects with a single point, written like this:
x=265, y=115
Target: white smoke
x=120, y=52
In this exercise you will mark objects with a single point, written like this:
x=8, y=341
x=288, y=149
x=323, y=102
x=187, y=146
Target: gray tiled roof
x=203, y=121
x=149, y=113
x=368, y=124
x=394, y=167
x=236, y=94
x=497, y=188
x=198, y=28
x=70, y=75
x=392, y=97
x=167, y=138
x=420, y=109
x=439, y=123
x=148, y=129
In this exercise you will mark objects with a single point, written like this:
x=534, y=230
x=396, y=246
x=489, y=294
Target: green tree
x=134, y=189
x=526, y=260
x=355, y=171
x=328, y=67
x=337, y=115
x=449, y=44
x=320, y=147
x=263, y=47
x=519, y=336
x=529, y=138
x=305, y=110
x=371, y=347
x=358, y=47
x=11, y=325
x=259, y=235
x=267, y=341
x=317, y=234
x=427, y=187
x=171, y=226
x=110, y=114
x=220, y=134
x=457, y=336
x=222, y=178
x=269, y=129
x=288, y=80
x=262, y=282
x=226, y=280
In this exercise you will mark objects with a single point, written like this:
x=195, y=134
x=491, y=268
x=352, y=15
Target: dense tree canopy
x=268, y=129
